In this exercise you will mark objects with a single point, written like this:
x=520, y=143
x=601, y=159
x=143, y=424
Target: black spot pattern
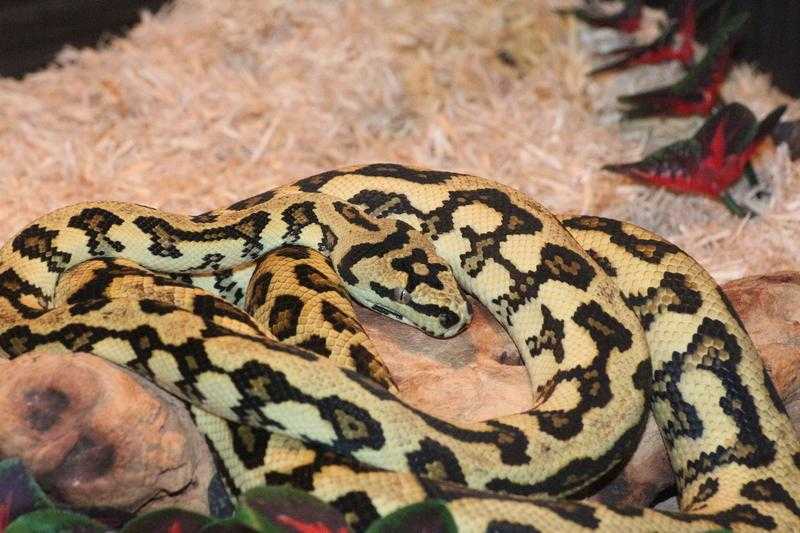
x=227, y=287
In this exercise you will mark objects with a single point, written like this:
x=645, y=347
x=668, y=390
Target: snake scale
x=609, y=319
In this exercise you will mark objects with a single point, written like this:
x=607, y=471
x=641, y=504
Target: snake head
x=404, y=278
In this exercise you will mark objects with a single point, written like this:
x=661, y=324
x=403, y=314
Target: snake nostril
x=448, y=319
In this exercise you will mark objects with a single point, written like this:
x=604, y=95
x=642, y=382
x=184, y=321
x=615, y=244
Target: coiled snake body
x=599, y=325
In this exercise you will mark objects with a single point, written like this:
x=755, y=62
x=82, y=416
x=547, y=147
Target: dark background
x=33, y=31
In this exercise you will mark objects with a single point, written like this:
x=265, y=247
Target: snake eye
x=401, y=295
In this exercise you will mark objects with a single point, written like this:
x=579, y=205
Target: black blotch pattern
x=164, y=236
x=350, y=213
x=358, y=252
x=649, y=250
x=556, y=263
x=769, y=490
x=316, y=182
x=311, y=278
x=510, y=441
x=249, y=443
x=302, y=477
x=707, y=490
x=773, y=392
x=14, y=290
x=433, y=459
x=382, y=204
x=551, y=337
x=210, y=307
x=338, y=320
x=315, y=343
x=575, y=512
x=205, y=218
x=422, y=176
x=36, y=242
x=149, y=307
x=604, y=263
x=353, y=425
x=284, y=316
x=577, y=477
x=227, y=286
x=744, y=514
x=418, y=261
x=737, y=402
x=257, y=290
x=95, y=223
x=689, y=300
x=357, y=508
x=110, y=270
x=504, y=526
x=252, y=201
x=302, y=215
x=594, y=386
x=292, y=251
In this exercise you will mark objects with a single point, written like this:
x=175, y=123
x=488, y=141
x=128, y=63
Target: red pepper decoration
x=675, y=43
x=697, y=93
x=627, y=20
x=710, y=161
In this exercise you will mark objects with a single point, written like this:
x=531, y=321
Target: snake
x=609, y=319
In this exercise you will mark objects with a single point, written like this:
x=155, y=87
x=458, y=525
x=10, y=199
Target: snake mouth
x=388, y=312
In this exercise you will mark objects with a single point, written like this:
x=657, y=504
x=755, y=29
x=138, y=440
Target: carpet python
x=606, y=317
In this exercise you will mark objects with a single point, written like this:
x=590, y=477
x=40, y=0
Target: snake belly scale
x=597, y=308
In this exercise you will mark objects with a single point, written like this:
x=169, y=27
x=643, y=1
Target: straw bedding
x=209, y=102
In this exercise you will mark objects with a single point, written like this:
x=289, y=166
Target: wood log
x=97, y=436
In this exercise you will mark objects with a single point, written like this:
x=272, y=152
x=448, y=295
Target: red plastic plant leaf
x=167, y=521
x=19, y=492
x=288, y=510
